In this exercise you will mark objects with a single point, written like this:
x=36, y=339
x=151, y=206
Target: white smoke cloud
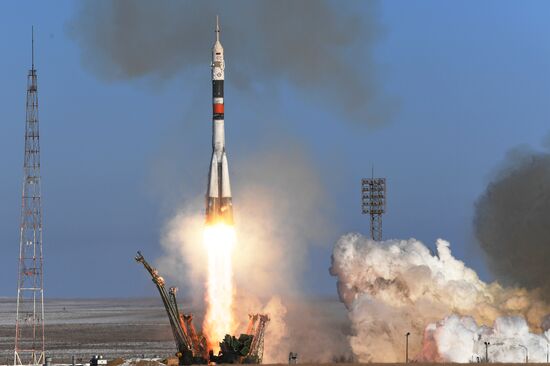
x=461, y=339
x=274, y=227
x=275, y=230
x=399, y=286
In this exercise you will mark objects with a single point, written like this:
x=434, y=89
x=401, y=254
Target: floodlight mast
x=373, y=199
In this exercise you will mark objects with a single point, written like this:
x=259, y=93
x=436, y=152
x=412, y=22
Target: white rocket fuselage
x=219, y=206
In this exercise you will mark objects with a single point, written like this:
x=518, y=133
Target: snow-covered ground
x=139, y=329
x=113, y=327
x=93, y=311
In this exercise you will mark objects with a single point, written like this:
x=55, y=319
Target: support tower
x=373, y=199
x=29, y=326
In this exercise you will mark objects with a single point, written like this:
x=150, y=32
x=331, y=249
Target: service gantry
x=192, y=347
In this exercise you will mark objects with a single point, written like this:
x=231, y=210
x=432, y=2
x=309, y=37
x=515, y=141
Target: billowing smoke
x=322, y=48
x=274, y=231
x=461, y=339
x=271, y=224
x=511, y=220
x=398, y=286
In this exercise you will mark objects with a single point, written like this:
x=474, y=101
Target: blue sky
x=469, y=81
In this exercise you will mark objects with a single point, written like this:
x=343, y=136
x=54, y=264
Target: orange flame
x=219, y=241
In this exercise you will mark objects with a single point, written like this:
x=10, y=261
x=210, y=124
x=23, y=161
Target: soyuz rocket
x=219, y=208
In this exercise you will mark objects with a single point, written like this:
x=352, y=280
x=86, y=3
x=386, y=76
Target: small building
x=98, y=360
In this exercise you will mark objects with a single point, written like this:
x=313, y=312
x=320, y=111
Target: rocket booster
x=219, y=206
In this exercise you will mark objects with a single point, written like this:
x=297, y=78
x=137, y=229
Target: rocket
x=219, y=208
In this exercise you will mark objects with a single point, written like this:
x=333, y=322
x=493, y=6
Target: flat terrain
x=134, y=328
x=114, y=328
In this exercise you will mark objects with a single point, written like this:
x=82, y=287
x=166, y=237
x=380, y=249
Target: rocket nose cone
x=217, y=48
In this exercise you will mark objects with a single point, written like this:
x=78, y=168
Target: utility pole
x=407, y=347
x=526, y=352
x=29, y=325
x=373, y=203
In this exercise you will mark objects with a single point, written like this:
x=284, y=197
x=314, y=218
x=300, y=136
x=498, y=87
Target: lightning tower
x=29, y=326
x=373, y=199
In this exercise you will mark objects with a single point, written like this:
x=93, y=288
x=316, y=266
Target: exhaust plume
x=399, y=286
x=511, y=220
x=274, y=234
x=219, y=243
x=323, y=48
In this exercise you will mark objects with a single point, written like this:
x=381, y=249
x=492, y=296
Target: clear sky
x=469, y=80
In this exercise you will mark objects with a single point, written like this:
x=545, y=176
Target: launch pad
x=192, y=347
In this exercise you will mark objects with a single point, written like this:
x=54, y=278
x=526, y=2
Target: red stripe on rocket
x=219, y=206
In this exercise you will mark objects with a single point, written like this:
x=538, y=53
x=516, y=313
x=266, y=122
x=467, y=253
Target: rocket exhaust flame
x=219, y=241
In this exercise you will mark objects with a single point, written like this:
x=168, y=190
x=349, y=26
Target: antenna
x=29, y=325
x=32, y=46
x=217, y=28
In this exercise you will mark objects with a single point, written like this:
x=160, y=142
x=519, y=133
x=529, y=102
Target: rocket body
x=219, y=206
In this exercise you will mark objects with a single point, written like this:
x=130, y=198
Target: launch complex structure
x=192, y=347
x=29, y=325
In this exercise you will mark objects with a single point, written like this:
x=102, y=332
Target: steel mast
x=373, y=203
x=29, y=326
